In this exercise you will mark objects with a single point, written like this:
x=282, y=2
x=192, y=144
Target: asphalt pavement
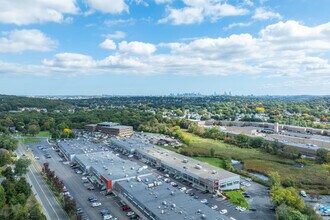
x=51, y=208
x=75, y=185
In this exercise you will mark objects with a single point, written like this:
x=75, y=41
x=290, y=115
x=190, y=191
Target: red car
x=125, y=208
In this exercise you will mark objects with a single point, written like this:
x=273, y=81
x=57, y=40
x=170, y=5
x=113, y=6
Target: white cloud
x=115, y=22
x=109, y=6
x=183, y=16
x=108, y=44
x=239, y=24
x=287, y=50
x=163, y=1
x=18, y=41
x=70, y=60
x=196, y=11
x=116, y=35
x=22, y=12
x=263, y=14
x=138, y=48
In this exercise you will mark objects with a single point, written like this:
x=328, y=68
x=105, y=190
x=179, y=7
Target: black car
x=92, y=199
x=253, y=209
x=105, y=212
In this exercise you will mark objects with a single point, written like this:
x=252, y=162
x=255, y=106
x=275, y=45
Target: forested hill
x=13, y=103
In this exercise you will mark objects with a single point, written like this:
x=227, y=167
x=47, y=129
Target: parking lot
x=75, y=186
x=259, y=200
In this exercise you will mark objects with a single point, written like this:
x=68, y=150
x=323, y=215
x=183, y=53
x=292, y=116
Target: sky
x=158, y=47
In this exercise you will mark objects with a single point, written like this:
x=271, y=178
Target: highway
x=50, y=207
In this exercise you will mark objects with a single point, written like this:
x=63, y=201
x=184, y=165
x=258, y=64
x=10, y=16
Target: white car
x=36, y=157
x=223, y=211
x=107, y=217
x=130, y=213
x=214, y=207
x=96, y=204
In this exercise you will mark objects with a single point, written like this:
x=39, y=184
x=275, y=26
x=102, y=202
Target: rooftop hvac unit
x=214, y=172
x=185, y=161
x=198, y=166
x=203, y=216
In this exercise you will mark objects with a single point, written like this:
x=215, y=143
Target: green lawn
x=312, y=177
x=212, y=161
x=236, y=197
x=30, y=140
x=45, y=134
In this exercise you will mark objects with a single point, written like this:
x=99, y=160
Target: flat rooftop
x=107, y=123
x=167, y=202
x=111, y=166
x=80, y=146
x=131, y=143
x=175, y=160
x=120, y=126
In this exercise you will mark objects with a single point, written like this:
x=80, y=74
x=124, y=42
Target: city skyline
x=159, y=47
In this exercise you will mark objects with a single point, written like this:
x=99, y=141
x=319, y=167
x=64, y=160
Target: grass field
x=30, y=140
x=312, y=177
x=236, y=197
x=212, y=161
x=45, y=134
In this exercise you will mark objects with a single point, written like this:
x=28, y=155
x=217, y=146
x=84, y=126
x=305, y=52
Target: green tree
x=2, y=197
x=322, y=155
x=21, y=166
x=5, y=158
x=33, y=129
x=8, y=173
x=284, y=212
x=212, y=151
x=275, y=179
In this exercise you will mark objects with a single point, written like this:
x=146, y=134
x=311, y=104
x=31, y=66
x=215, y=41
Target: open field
x=311, y=177
x=212, y=161
x=30, y=140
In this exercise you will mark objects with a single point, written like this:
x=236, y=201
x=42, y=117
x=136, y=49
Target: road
x=51, y=208
x=75, y=186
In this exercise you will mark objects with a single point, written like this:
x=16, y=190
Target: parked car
x=125, y=208
x=107, y=217
x=91, y=198
x=303, y=193
x=223, y=211
x=130, y=214
x=79, y=211
x=96, y=204
x=196, y=197
x=90, y=188
x=105, y=212
x=204, y=201
x=214, y=207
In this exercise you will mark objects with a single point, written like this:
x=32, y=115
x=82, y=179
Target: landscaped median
x=236, y=197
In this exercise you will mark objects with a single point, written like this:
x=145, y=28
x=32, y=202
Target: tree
x=22, y=186
x=2, y=197
x=8, y=173
x=7, y=142
x=21, y=166
x=212, y=152
x=36, y=214
x=275, y=179
x=33, y=129
x=284, y=212
x=5, y=158
x=322, y=155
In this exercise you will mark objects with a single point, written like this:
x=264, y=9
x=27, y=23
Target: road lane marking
x=44, y=193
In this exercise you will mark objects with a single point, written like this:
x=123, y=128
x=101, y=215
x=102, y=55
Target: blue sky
x=157, y=47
